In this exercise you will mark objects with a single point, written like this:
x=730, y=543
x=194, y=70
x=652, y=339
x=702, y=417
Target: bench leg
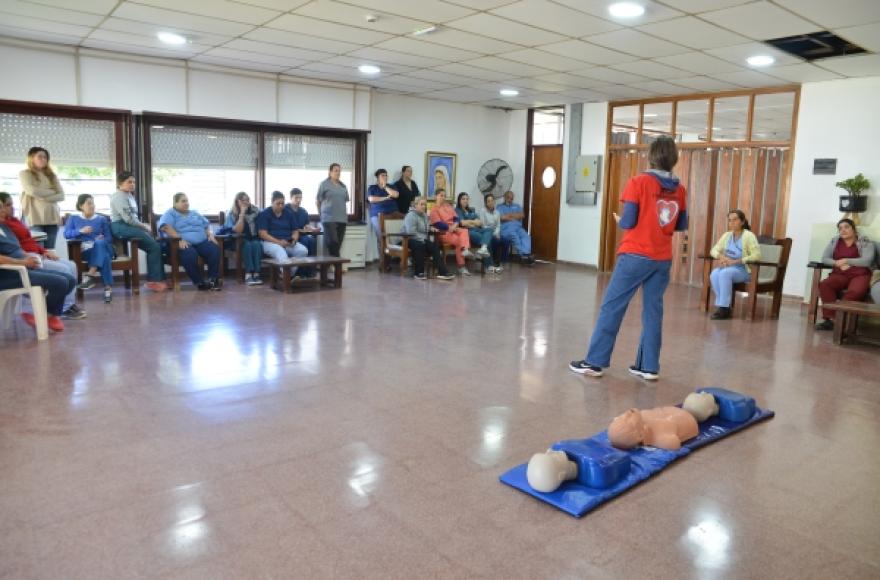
x=286, y=276
x=840, y=321
x=337, y=276
x=814, y=297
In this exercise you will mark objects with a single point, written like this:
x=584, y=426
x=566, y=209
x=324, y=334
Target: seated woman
x=851, y=256
x=416, y=224
x=97, y=244
x=196, y=239
x=242, y=219
x=450, y=232
x=480, y=236
x=56, y=284
x=382, y=198
x=734, y=250
x=490, y=217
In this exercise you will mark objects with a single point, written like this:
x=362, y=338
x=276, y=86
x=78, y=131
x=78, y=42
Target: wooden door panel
x=544, y=216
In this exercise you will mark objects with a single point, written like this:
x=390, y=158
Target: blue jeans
x=189, y=259
x=101, y=256
x=521, y=239
x=56, y=285
x=310, y=243
x=631, y=273
x=723, y=279
x=252, y=255
x=155, y=267
x=480, y=236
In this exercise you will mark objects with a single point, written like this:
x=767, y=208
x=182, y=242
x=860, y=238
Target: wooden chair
x=393, y=243
x=125, y=259
x=818, y=269
x=172, y=258
x=767, y=276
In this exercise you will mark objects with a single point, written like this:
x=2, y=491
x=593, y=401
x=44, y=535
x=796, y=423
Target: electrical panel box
x=587, y=180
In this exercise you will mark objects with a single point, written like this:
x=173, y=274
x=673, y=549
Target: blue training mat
x=578, y=499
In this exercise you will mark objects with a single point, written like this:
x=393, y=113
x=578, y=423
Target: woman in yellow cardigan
x=734, y=251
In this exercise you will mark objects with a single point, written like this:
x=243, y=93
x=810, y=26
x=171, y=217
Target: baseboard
x=578, y=265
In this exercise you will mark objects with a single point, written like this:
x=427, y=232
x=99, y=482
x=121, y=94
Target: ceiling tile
x=345, y=14
x=282, y=5
x=394, y=57
x=803, y=73
x=587, y=52
x=653, y=11
x=440, y=76
x=538, y=85
x=466, y=41
x=20, y=8
x=233, y=11
x=569, y=80
x=860, y=65
x=609, y=75
x=134, y=40
x=502, y=29
x=760, y=20
x=699, y=62
x=427, y=49
x=837, y=13
x=481, y=4
x=701, y=84
x=392, y=86
x=660, y=88
x=587, y=96
x=144, y=29
x=53, y=37
x=693, y=32
x=241, y=55
x=418, y=83
x=175, y=20
x=473, y=72
x=435, y=11
x=103, y=7
x=43, y=25
x=339, y=71
x=242, y=64
x=693, y=6
x=466, y=94
x=652, y=70
x=553, y=17
x=739, y=53
x=516, y=69
x=352, y=63
x=866, y=36
x=300, y=40
x=135, y=49
x=331, y=30
x=543, y=59
x=622, y=92
x=749, y=78
x=637, y=43
x=276, y=50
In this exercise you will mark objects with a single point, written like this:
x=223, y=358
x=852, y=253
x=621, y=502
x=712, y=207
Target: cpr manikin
x=700, y=405
x=548, y=470
x=663, y=427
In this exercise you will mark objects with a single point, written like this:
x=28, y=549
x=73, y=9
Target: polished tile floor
x=360, y=434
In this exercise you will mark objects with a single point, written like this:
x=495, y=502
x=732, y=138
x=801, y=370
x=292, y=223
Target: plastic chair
x=10, y=305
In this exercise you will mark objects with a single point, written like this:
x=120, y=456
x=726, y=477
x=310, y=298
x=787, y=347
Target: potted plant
x=855, y=202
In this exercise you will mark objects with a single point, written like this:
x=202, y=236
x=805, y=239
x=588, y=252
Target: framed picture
x=440, y=173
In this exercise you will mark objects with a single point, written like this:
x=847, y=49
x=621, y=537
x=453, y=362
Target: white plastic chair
x=10, y=302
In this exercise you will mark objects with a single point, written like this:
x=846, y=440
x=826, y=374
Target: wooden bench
x=846, y=317
x=322, y=264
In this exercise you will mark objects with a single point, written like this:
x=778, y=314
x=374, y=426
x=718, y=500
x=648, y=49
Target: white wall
x=836, y=119
x=580, y=226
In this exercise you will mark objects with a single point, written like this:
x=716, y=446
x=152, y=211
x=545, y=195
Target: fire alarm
x=371, y=18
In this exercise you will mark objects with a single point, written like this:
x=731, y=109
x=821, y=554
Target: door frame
x=561, y=147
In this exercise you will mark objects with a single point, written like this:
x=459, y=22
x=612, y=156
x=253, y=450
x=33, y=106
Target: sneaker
x=88, y=283
x=446, y=276
x=464, y=271
x=73, y=313
x=826, y=324
x=647, y=375
x=251, y=280
x=467, y=254
x=499, y=269
x=216, y=285
x=257, y=280
x=421, y=276
x=582, y=368
x=483, y=251
x=203, y=286
x=56, y=324
x=108, y=295
x=29, y=319
x=721, y=314
x=156, y=286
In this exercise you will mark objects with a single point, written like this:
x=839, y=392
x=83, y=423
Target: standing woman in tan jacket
x=41, y=192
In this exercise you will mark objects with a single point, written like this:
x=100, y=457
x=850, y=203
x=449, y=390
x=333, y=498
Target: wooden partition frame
x=607, y=223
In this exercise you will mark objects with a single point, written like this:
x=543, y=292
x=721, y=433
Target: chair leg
x=135, y=278
x=752, y=306
x=777, y=304
x=126, y=279
x=41, y=317
x=813, y=308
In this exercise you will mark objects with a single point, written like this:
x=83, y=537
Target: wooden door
x=546, y=191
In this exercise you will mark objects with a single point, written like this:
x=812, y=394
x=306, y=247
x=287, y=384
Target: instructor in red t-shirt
x=654, y=207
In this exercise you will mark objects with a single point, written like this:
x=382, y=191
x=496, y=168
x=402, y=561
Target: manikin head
x=548, y=470
x=627, y=431
x=700, y=405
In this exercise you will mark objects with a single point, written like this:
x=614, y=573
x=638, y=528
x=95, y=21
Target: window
x=82, y=152
x=209, y=165
x=303, y=161
x=548, y=127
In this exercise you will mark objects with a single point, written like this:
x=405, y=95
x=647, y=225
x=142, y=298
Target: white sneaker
x=483, y=251
x=499, y=269
x=647, y=375
x=467, y=254
x=464, y=271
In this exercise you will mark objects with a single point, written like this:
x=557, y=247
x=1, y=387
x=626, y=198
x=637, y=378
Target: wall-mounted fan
x=495, y=177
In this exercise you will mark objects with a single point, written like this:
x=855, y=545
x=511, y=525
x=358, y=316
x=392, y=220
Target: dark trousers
x=334, y=233
x=497, y=248
x=56, y=284
x=51, y=235
x=189, y=259
x=155, y=269
x=854, y=287
x=310, y=243
x=420, y=249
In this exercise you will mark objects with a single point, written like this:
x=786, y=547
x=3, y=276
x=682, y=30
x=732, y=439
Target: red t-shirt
x=658, y=213
x=27, y=241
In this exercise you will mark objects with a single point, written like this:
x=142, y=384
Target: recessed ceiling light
x=509, y=92
x=171, y=38
x=760, y=60
x=425, y=30
x=369, y=69
x=626, y=10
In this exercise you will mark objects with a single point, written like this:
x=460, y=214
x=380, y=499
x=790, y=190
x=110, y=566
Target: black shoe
x=647, y=375
x=108, y=295
x=582, y=368
x=826, y=324
x=89, y=283
x=204, y=286
x=721, y=314
x=73, y=313
x=216, y=285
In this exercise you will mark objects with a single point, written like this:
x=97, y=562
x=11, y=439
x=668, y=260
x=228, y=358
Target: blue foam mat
x=576, y=499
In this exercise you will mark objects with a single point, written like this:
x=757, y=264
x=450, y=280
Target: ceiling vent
x=816, y=45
